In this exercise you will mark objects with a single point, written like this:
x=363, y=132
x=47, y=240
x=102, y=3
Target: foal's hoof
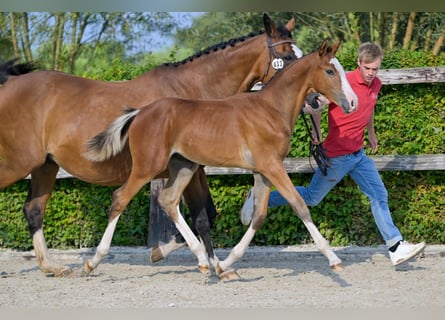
x=156, y=254
x=87, y=268
x=64, y=273
x=337, y=267
x=204, y=269
x=228, y=275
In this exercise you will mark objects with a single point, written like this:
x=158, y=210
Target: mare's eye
x=289, y=57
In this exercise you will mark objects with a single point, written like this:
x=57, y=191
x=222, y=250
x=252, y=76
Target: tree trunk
x=409, y=30
x=394, y=30
x=381, y=22
x=354, y=26
x=27, y=42
x=58, y=41
x=14, y=35
x=439, y=43
x=427, y=44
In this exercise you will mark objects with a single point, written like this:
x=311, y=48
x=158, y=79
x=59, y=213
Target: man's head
x=370, y=56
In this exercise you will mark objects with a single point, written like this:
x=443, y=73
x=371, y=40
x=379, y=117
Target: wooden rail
x=383, y=163
x=161, y=228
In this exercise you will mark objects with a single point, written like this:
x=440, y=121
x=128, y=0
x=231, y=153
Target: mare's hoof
x=228, y=275
x=337, y=267
x=156, y=254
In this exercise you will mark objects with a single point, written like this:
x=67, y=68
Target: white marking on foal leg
x=322, y=244
x=238, y=251
x=193, y=242
x=104, y=246
x=172, y=245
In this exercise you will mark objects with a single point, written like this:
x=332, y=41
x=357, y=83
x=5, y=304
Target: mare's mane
x=216, y=47
x=223, y=45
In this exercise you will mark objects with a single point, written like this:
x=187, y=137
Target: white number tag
x=277, y=63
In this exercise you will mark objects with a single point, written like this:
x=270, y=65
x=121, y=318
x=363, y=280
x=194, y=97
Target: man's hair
x=369, y=52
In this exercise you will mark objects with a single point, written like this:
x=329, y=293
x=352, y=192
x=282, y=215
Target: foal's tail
x=10, y=68
x=111, y=141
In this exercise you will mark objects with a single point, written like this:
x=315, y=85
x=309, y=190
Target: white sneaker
x=405, y=251
x=247, y=210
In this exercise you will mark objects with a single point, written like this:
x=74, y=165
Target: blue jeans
x=363, y=171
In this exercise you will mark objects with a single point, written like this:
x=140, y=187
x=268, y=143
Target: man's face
x=368, y=71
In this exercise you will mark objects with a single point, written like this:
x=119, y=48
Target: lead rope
x=317, y=151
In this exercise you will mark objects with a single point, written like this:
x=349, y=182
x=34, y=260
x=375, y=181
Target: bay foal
x=247, y=130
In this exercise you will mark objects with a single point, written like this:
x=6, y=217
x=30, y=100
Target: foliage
x=76, y=216
x=409, y=120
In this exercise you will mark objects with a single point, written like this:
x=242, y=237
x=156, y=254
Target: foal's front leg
x=284, y=185
x=261, y=196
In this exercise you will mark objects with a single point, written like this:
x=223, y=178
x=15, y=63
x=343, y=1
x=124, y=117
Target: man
x=344, y=145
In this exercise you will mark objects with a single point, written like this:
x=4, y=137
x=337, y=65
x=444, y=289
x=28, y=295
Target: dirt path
x=272, y=277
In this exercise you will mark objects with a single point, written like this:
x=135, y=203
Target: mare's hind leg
x=203, y=212
x=41, y=185
x=181, y=172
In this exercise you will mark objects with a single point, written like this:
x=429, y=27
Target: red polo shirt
x=346, y=132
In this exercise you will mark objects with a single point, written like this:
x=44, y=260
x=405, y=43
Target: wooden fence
x=161, y=228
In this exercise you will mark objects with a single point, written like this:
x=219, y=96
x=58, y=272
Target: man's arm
x=372, y=137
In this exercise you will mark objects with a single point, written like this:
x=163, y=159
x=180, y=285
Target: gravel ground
x=271, y=277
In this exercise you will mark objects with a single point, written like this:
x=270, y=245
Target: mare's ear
x=269, y=26
x=290, y=25
x=324, y=48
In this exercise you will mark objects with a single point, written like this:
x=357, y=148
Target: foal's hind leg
x=203, y=212
x=180, y=173
x=41, y=185
x=121, y=198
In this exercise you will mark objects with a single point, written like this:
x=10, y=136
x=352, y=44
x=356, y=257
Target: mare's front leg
x=41, y=186
x=261, y=196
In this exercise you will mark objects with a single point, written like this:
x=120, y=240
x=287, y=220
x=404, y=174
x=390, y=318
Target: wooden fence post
x=161, y=228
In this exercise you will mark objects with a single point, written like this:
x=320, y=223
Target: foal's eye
x=330, y=72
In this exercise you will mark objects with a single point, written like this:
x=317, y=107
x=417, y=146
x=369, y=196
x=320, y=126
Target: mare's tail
x=10, y=68
x=111, y=141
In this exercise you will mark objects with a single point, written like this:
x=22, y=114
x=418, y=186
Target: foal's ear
x=269, y=26
x=336, y=46
x=324, y=48
x=290, y=25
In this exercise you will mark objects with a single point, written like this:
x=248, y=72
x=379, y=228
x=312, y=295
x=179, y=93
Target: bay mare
x=248, y=130
x=46, y=118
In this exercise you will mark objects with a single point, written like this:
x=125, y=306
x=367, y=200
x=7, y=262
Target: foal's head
x=330, y=79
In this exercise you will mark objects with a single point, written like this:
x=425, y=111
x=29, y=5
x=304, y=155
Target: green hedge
x=409, y=120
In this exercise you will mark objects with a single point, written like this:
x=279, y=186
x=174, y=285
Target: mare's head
x=330, y=78
x=281, y=48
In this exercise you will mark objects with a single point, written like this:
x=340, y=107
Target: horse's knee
x=34, y=217
x=202, y=223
